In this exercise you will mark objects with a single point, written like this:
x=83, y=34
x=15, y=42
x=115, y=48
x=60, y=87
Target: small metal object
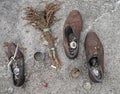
x=96, y=72
x=73, y=45
x=75, y=73
x=40, y=56
x=16, y=71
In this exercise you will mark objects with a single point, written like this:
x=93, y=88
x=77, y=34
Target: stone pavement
x=100, y=16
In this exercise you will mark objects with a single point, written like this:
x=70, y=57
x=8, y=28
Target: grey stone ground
x=100, y=16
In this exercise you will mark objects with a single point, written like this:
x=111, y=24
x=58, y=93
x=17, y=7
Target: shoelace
x=13, y=58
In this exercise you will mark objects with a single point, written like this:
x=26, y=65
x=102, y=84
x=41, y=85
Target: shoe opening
x=95, y=68
x=93, y=62
x=68, y=32
x=71, y=39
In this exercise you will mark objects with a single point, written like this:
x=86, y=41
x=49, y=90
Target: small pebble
x=87, y=85
x=10, y=90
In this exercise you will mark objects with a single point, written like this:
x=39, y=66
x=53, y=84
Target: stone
x=87, y=85
x=10, y=90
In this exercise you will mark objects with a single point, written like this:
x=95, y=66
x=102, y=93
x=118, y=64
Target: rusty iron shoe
x=16, y=64
x=71, y=34
x=95, y=57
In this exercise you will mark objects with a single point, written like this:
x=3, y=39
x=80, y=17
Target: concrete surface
x=100, y=16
